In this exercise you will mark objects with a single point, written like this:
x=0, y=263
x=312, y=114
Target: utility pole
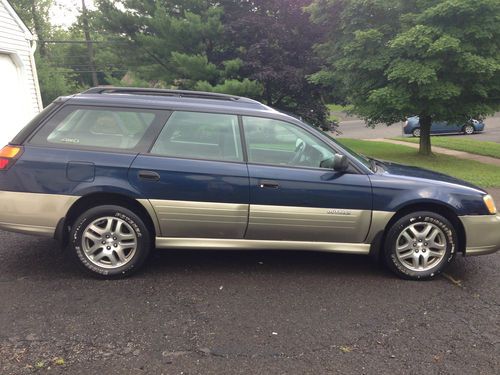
x=90, y=44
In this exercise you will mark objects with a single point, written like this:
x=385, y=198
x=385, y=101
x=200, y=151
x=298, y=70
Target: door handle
x=268, y=184
x=149, y=176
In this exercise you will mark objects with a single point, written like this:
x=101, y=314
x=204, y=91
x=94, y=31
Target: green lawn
x=468, y=145
x=481, y=174
x=338, y=107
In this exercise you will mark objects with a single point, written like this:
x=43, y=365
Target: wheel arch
x=141, y=207
x=436, y=207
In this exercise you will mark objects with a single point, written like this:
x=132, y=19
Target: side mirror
x=338, y=163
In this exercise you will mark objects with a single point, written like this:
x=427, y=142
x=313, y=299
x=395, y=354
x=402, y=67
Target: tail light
x=8, y=156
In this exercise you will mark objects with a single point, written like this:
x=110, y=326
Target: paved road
x=244, y=312
x=357, y=129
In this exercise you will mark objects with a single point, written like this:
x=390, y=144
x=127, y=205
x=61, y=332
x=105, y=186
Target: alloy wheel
x=469, y=129
x=109, y=242
x=421, y=246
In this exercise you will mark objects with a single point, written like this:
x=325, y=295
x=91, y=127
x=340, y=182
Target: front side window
x=94, y=127
x=280, y=143
x=200, y=136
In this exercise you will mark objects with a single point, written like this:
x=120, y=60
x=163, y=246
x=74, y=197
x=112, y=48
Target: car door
x=292, y=197
x=195, y=177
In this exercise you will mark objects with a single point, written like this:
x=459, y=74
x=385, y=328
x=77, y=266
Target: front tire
x=416, y=132
x=468, y=129
x=110, y=241
x=420, y=245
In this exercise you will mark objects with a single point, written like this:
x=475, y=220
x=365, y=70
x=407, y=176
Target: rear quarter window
x=100, y=128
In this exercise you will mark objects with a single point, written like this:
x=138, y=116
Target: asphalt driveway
x=244, y=312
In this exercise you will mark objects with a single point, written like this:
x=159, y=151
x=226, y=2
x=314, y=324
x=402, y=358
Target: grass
x=481, y=174
x=468, y=145
x=338, y=107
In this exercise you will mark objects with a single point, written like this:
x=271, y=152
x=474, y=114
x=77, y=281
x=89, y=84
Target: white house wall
x=14, y=41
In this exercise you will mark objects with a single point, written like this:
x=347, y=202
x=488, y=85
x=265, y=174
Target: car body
x=412, y=127
x=116, y=172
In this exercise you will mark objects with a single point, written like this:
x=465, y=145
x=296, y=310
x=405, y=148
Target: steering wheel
x=300, y=147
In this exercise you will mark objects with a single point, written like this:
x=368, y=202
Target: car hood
x=431, y=177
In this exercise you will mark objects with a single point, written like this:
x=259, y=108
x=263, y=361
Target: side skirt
x=239, y=244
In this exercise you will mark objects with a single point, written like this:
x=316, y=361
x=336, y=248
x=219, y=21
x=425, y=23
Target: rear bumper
x=33, y=213
x=482, y=233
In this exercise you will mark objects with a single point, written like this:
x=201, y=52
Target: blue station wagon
x=113, y=173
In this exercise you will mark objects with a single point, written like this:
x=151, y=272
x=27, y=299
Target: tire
x=110, y=241
x=420, y=245
x=416, y=132
x=468, y=129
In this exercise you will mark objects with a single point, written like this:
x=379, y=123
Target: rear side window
x=200, y=136
x=99, y=127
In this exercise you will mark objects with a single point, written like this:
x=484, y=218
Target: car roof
x=174, y=100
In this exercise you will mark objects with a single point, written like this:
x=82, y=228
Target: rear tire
x=416, y=132
x=110, y=241
x=420, y=245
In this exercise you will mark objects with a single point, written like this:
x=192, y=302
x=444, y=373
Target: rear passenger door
x=195, y=177
x=84, y=149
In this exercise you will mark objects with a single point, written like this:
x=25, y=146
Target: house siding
x=14, y=41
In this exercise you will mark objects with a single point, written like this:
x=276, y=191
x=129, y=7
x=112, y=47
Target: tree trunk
x=425, y=135
x=268, y=94
x=90, y=44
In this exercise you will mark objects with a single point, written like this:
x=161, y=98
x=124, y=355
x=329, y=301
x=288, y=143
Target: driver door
x=291, y=197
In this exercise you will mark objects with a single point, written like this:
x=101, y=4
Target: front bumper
x=482, y=234
x=408, y=129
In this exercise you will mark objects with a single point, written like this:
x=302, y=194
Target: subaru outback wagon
x=114, y=172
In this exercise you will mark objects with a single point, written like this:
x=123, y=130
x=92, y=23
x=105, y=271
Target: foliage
x=245, y=87
x=55, y=81
x=484, y=175
x=177, y=42
x=460, y=144
x=437, y=59
x=274, y=39
x=35, y=15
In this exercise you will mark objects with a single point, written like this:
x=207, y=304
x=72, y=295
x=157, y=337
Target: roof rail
x=164, y=92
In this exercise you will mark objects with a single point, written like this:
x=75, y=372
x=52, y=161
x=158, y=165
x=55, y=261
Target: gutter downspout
x=33, y=43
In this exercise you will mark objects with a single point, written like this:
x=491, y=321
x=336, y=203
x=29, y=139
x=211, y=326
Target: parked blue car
x=114, y=173
x=412, y=127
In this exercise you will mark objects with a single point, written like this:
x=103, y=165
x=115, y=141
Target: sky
x=64, y=12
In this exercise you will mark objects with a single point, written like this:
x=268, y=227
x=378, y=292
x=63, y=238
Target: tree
x=55, y=81
x=35, y=14
x=436, y=59
x=179, y=42
x=274, y=40
x=88, y=41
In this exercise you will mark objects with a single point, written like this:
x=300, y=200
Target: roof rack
x=164, y=92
